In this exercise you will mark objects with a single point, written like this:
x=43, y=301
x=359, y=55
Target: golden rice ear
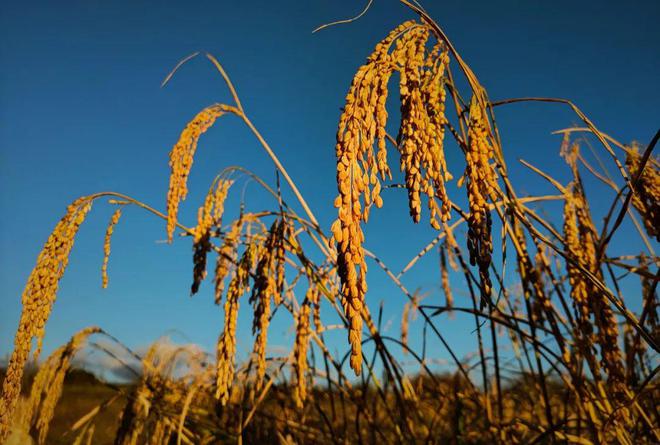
x=409, y=54
x=361, y=124
x=421, y=132
x=226, y=348
x=149, y=416
x=649, y=294
x=420, y=145
x=38, y=297
x=226, y=258
x=581, y=239
x=481, y=185
x=265, y=289
x=49, y=381
x=578, y=282
x=314, y=296
x=209, y=215
x=181, y=159
x=106, y=246
x=300, y=353
x=283, y=232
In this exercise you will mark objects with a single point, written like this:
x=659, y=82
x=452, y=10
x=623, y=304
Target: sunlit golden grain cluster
x=419, y=143
x=38, y=298
x=208, y=216
x=481, y=186
x=181, y=159
x=300, y=353
x=46, y=390
x=226, y=350
x=106, y=246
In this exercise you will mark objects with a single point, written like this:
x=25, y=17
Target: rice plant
x=562, y=359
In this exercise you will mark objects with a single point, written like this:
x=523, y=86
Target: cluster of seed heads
x=145, y=418
x=47, y=385
x=580, y=288
x=106, y=246
x=590, y=302
x=269, y=284
x=481, y=186
x=362, y=164
x=226, y=349
x=209, y=216
x=181, y=159
x=227, y=257
x=38, y=298
x=313, y=295
x=263, y=263
x=421, y=132
x=360, y=168
x=300, y=352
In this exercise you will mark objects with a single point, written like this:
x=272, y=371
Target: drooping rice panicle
x=226, y=348
x=481, y=183
x=265, y=289
x=226, y=257
x=48, y=383
x=106, y=246
x=300, y=353
x=581, y=240
x=181, y=159
x=420, y=145
x=37, y=299
x=209, y=215
x=362, y=121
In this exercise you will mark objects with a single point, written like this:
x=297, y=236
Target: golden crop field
x=560, y=359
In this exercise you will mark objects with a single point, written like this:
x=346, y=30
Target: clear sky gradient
x=82, y=111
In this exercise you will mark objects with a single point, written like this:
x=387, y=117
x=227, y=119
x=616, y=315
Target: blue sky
x=82, y=111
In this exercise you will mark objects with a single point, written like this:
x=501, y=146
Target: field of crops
x=559, y=354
